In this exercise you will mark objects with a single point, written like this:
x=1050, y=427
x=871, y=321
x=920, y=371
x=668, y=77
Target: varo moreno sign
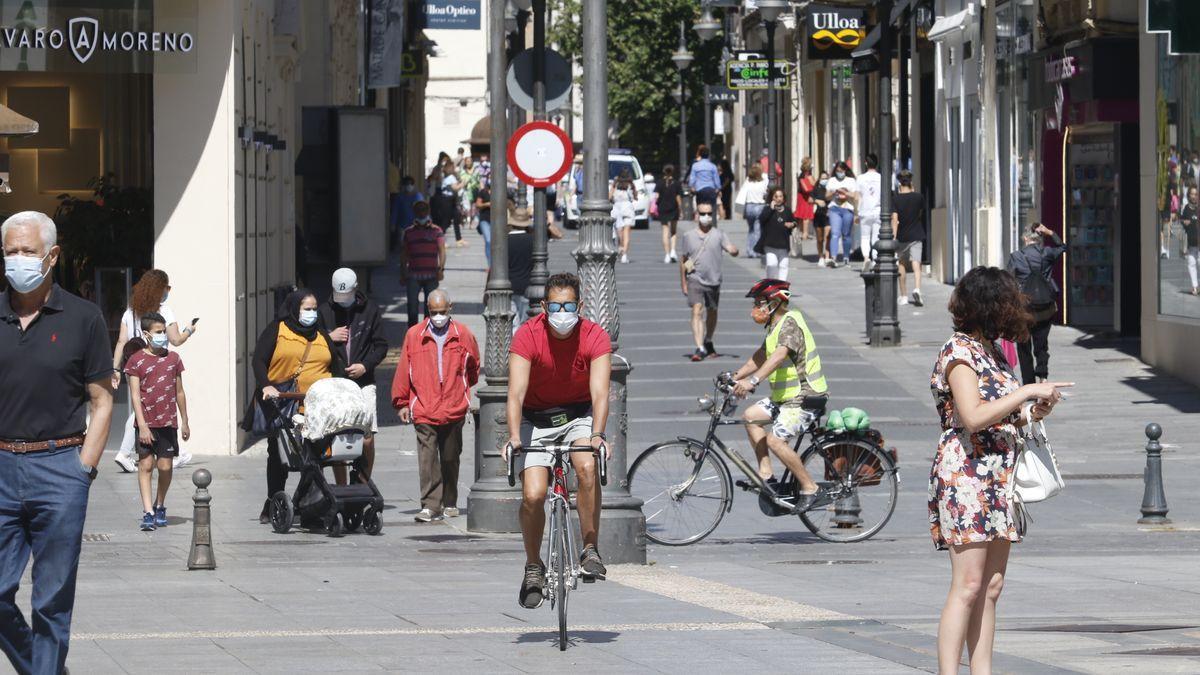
x=83, y=37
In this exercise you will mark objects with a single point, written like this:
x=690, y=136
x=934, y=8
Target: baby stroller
x=329, y=433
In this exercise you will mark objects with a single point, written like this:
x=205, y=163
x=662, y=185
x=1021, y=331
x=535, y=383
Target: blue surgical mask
x=24, y=272
x=159, y=340
x=308, y=317
x=841, y=175
x=164, y=300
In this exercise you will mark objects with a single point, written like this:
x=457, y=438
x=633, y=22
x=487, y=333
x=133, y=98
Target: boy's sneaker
x=916, y=298
x=426, y=516
x=126, y=461
x=183, y=459
x=450, y=512
x=902, y=300
x=148, y=522
x=160, y=516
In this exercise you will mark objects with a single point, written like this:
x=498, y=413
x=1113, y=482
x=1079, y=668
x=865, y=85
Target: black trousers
x=277, y=473
x=1034, y=353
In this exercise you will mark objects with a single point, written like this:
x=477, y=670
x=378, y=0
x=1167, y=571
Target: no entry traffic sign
x=539, y=154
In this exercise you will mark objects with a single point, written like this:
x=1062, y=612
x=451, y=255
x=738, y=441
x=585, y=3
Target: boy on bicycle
x=558, y=372
x=788, y=360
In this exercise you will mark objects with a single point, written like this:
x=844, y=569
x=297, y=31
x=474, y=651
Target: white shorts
x=575, y=430
x=788, y=421
x=368, y=394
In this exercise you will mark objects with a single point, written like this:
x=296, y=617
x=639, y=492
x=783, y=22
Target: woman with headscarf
x=148, y=295
x=291, y=349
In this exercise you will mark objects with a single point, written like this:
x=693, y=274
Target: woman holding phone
x=980, y=403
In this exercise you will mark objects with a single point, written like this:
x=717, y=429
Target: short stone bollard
x=201, y=556
x=1154, y=501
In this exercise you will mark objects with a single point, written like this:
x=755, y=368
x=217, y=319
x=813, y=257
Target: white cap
x=345, y=282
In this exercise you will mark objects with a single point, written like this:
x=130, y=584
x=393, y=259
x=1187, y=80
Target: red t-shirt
x=156, y=382
x=559, y=369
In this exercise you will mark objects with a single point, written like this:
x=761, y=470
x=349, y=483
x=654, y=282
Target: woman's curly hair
x=148, y=292
x=988, y=301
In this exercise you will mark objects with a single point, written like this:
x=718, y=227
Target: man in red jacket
x=432, y=390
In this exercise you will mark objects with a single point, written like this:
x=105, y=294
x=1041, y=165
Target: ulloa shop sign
x=85, y=43
x=833, y=32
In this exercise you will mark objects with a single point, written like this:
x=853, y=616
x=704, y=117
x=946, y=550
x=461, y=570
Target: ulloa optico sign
x=452, y=14
x=84, y=36
x=833, y=32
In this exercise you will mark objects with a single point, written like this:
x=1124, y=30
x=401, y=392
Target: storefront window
x=1178, y=169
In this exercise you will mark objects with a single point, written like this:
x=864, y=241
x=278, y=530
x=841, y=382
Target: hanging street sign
x=539, y=154
x=752, y=74
x=718, y=94
x=558, y=80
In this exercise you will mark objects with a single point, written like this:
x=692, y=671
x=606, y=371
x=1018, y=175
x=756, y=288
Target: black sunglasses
x=553, y=307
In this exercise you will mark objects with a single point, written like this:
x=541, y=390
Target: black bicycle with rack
x=563, y=571
x=686, y=486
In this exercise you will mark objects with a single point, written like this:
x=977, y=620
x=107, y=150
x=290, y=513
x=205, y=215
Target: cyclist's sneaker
x=699, y=355
x=591, y=563
x=533, y=586
x=709, y=349
x=804, y=501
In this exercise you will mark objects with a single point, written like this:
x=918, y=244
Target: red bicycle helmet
x=770, y=289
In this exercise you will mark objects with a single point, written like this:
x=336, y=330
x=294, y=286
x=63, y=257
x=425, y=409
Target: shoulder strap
x=303, y=358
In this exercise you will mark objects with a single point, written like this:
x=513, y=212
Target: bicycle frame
x=559, y=503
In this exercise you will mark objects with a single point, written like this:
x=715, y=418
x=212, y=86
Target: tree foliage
x=642, y=35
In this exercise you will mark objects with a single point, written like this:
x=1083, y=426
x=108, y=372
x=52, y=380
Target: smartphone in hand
x=195, y=320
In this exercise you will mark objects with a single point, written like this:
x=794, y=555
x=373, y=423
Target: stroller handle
x=291, y=396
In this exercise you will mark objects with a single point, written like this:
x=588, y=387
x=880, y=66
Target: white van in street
x=618, y=160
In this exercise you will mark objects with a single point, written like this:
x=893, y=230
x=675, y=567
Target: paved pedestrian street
x=1089, y=590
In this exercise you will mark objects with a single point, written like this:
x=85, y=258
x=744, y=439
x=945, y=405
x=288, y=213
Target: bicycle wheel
x=683, y=498
x=859, y=483
x=560, y=573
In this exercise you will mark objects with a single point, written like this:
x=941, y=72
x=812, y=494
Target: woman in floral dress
x=980, y=408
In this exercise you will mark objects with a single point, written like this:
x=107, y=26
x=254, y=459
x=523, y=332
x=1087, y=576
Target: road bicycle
x=562, y=570
x=686, y=486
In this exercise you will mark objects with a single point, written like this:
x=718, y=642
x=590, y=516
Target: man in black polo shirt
x=54, y=362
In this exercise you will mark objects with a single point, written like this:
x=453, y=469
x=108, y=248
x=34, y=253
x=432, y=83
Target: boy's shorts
x=165, y=443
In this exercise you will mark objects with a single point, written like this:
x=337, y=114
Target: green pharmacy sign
x=753, y=74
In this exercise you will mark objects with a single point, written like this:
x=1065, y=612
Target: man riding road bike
x=789, y=364
x=558, y=374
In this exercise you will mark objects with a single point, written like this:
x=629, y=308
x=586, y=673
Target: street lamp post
x=770, y=10
x=706, y=29
x=622, y=525
x=885, y=332
x=683, y=58
x=492, y=504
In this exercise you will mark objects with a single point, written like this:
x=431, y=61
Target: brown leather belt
x=25, y=447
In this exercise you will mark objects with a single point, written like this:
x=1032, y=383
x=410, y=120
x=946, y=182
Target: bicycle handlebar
x=557, y=449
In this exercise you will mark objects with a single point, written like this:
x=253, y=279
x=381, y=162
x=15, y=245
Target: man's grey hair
x=44, y=223
x=1031, y=236
x=438, y=294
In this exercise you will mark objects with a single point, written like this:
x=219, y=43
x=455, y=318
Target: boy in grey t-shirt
x=700, y=277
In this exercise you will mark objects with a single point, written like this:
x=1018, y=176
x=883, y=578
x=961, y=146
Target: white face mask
x=563, y=322
x=439, y=321
x=308, y=317
x=841, y=175
x=24, y=272
x=705, y=220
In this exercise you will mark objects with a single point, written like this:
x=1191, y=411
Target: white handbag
x=1036, y=476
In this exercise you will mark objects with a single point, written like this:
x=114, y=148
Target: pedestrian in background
x=752, y=197
x=156, y=394
x=669, y=205
x=725, y=171
x=764, y=163
x=1033, y=266
x=148, y=295
x=55, y=374
x=483, y=208
x=422, y=259
x=1191, y=230
x=402, y=208
x=700, y=276
x=821, y=219
x=908, y=220
x=841, y=194
x=869, y=203
x=805, y=184
x=520, y=261
x=355, y=325
x=443, y=205
x=431, y=390
x=776, y=223
x=970, y=512
x=292, y=352
x=704, y=180
x=623, y=194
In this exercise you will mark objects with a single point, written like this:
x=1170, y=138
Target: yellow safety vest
x=785, y=381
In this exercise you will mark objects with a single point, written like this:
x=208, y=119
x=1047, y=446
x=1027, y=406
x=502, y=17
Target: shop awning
x=867, y=46
x=945, y=25
x=13, y=123
x=481, y=133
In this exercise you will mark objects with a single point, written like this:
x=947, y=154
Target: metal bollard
x=201, y=556
x=1154, y=501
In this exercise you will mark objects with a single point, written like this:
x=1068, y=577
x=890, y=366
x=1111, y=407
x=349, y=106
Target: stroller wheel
x=281, y=512
x=371, y=521
x=333, y=525
x=352, y=519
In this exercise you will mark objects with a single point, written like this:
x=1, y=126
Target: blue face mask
x=159, y=340
x=24, y=272
x=308, y=317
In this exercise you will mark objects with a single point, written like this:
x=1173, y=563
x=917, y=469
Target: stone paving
x=1089, y=590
